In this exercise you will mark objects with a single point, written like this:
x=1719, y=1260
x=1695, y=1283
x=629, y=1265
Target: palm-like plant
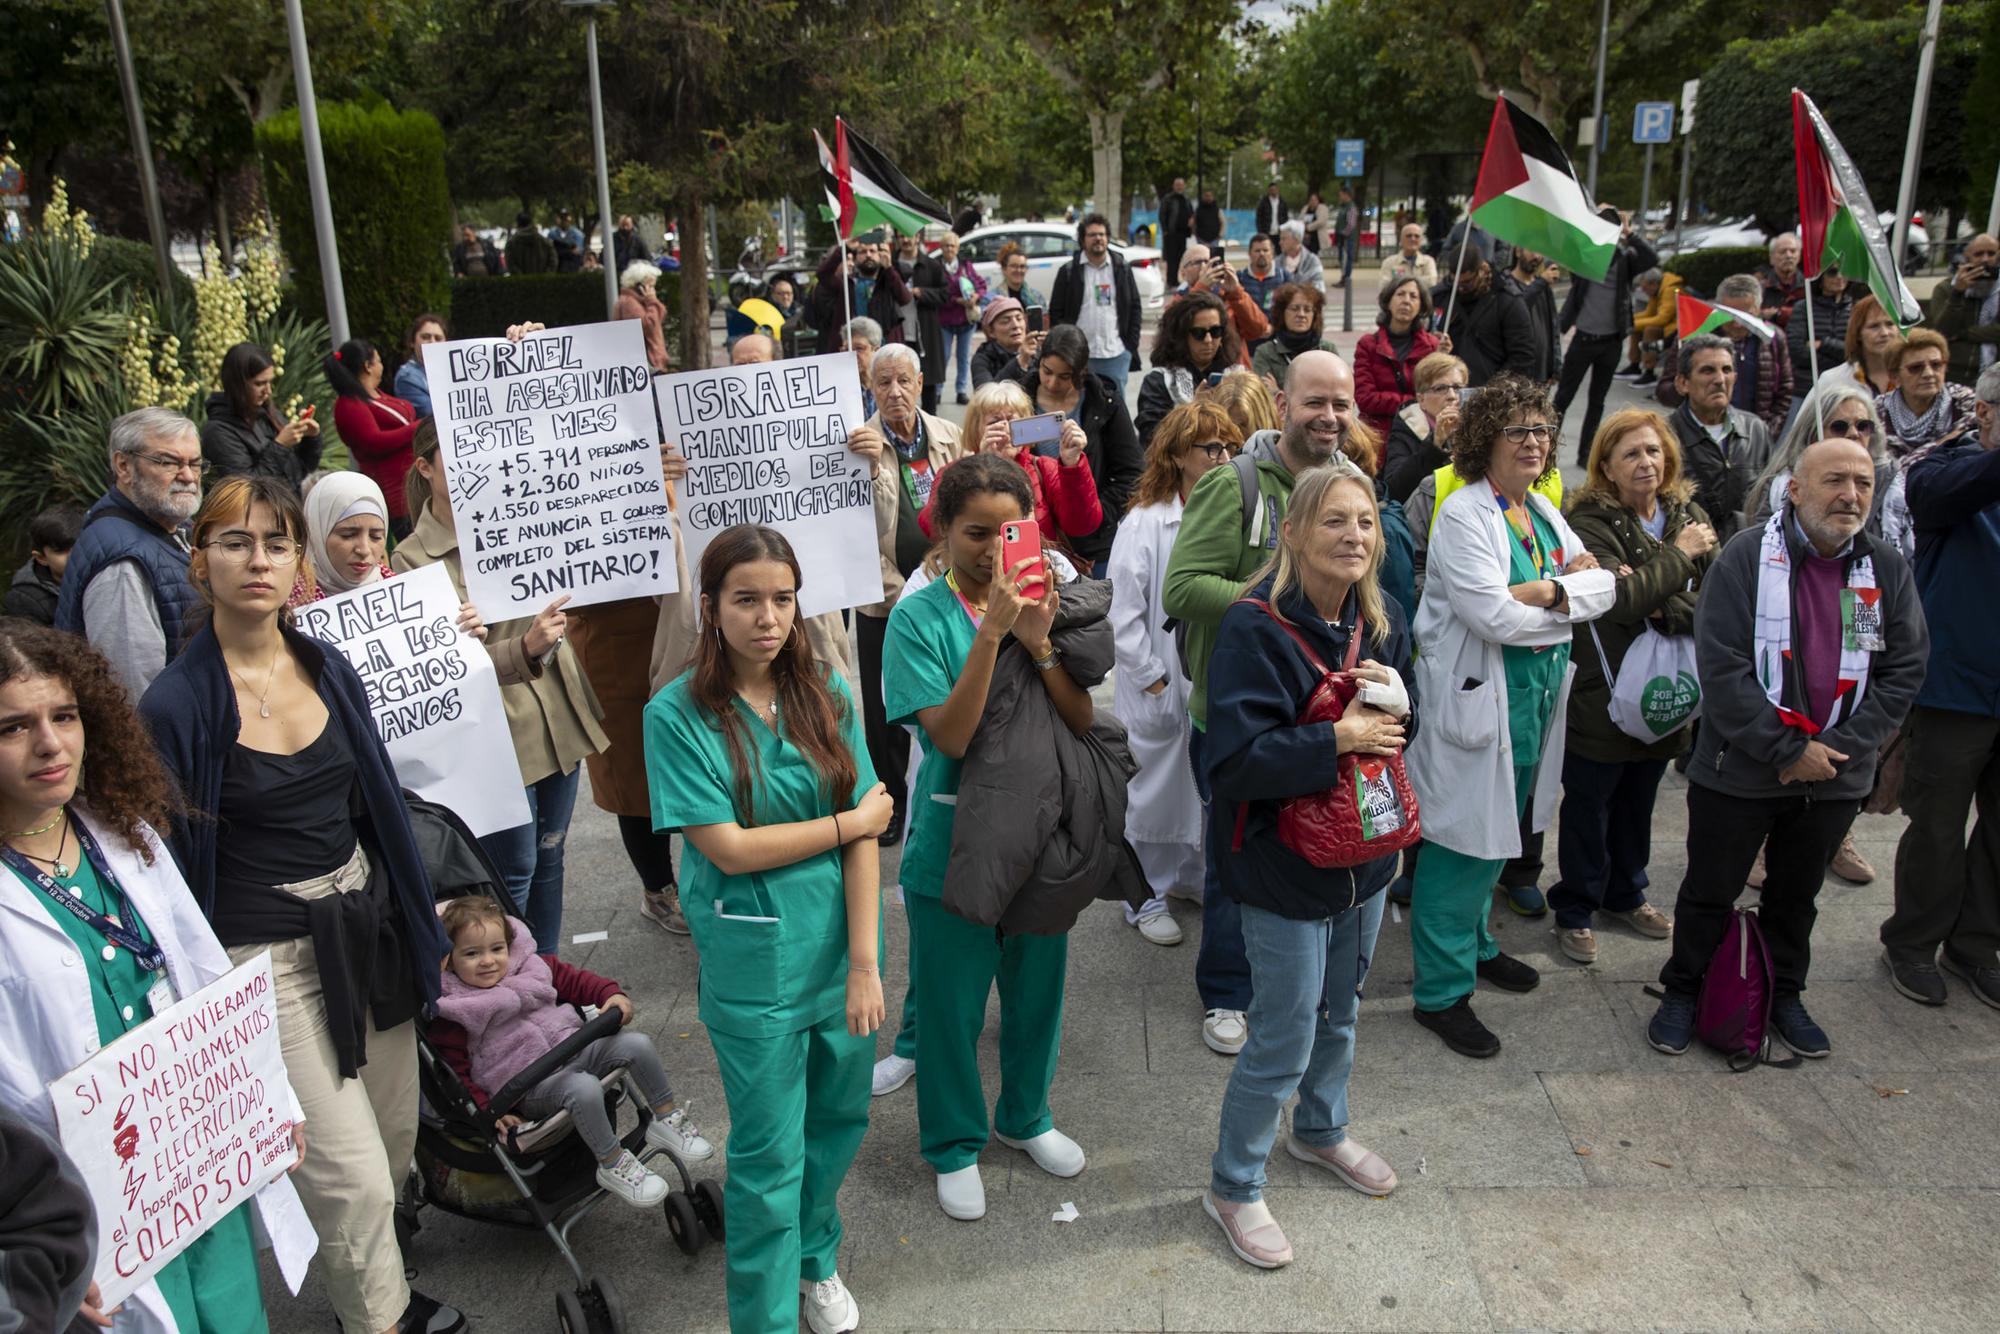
x=62, y=324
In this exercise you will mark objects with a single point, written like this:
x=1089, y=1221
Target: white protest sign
x=178, y=1122
x=767, y=444
x=432, y=692
x=552, y=456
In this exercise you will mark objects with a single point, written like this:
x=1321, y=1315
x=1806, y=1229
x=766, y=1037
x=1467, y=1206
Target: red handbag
x=1371, y=810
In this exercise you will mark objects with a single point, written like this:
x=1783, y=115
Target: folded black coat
x=1040, y=827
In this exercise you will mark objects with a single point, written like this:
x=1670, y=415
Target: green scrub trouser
x=212, y=1287
x=798, y=1107
x=1449, y=903
x=960, y=962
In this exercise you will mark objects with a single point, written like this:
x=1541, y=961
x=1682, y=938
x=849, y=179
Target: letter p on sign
x=1653, y=123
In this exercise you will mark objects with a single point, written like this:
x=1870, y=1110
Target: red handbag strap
x=1348, y=661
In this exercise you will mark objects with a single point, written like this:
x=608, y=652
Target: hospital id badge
x=1861, y=620
x=160, y=996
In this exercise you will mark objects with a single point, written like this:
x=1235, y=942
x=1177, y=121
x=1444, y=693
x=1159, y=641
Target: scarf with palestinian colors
x=1861, y=631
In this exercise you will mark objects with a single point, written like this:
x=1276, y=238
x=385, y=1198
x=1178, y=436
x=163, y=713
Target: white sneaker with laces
x=891, y=1073
x=1225, y=1031
x=830, y=1307
x=679, y=1135
x=1053, y=1152
x=630, y=1181
x=1160, y=928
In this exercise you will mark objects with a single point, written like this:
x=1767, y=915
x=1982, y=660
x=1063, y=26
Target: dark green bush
x=1703, y=269
x=131, y=263
x=391, y=212
x=484, y=307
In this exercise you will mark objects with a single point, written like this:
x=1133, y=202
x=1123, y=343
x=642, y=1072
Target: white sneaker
x=830, y=1307
x=1225, y=1031
x=630, y=1181
x=1185, y=893
x=1053, y=1152
x=677, y=1134
x=961, y=1194
x=891, y=1073
x=1160, y=928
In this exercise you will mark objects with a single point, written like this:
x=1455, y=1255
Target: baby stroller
x=538, y=1176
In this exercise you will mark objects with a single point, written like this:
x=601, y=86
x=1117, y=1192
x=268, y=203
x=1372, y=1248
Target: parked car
x=1722, y=232
x=1049, y=246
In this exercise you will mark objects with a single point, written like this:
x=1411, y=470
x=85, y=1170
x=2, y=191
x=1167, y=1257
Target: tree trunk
x=218, y=199
x=694, y=282
x=1107, y=168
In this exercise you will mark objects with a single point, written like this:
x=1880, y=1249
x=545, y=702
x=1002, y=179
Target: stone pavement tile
x=1104, y=1026
x=1866, y=1022
x=1847, y=945
x=1923, y=1128
x=1616, y=1260
x=1962, y=1034
x=1475, y=1125
x=1569, y=1022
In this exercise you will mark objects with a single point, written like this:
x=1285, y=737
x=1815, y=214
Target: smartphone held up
x=1023, y=541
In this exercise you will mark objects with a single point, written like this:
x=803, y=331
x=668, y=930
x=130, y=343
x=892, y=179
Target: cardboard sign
x=178, y=1122
x=767, y=444
x=432, y=692
x=552, y=456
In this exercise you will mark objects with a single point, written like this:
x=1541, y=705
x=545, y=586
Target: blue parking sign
x=1653, y=123
x=1347, y=158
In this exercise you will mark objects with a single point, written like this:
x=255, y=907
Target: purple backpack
x=1734, y=1008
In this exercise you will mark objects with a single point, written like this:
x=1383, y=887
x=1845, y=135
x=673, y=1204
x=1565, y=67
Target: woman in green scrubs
x=756, y=755
x=938, y=664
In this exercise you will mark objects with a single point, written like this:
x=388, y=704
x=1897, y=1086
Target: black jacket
x=33, y=594
x=1175, y=216
x=990, y=363
x=1207, y=224
x=462, y=252
x=1271, y=215
x=528, y=251
x=931, y=288
x=1490, y=335
x=1116, y=458
x=236, y=448
x=1540, y=301
x=1829, y=325
x=1258, y=755
x=1066, y=299
x=1409, y=458
x=1722, y=474
x=830, y=309
x=1632, y=258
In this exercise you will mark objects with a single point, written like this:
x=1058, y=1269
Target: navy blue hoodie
x=1258, y=755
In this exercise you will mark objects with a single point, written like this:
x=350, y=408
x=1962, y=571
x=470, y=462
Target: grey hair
x=1684, y=362
x=1988, y=388
x=1783, y=236
x=637, y=272
x=1653, y=275
x=867, y=330
x=1294, y=229
x=139, y=429
x=893, y=355
x=1822, y=402
x=1741, y=287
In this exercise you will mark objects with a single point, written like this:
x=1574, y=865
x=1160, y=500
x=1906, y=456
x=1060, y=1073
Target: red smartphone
x=309, y=410
x=1019, y=541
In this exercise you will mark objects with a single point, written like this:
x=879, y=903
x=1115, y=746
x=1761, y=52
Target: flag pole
x=843, y=235
x=1451, y=302
x=1812, y=364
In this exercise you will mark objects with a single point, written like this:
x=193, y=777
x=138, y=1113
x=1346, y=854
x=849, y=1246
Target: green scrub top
x=929, y=634
x=118, y=986
x=1534, y=677
x=773, y=943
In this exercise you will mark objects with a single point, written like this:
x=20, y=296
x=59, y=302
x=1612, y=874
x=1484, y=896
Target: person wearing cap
x=1008, y=342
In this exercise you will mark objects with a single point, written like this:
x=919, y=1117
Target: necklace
x=36, y=833
x=61, y=867
x=263, y=700
x=770, y=706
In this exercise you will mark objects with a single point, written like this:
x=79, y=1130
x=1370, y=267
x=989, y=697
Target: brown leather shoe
x=1253, y=1234
x=1849, y=864
x=1647, y=920
x=1360, y=1168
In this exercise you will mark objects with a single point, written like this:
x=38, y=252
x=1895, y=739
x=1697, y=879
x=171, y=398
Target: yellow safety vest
x=1448, y=481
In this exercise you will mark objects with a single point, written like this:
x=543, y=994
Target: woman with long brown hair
x=756, y=754
x=244, y=435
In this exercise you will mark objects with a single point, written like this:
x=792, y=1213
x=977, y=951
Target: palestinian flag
x=864, y=189
x=1837, y=220
x=1528, y=194
x=1699, y=317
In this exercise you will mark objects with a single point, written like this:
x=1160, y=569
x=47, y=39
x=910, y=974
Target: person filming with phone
x=1967, y=309
x=1001, y=420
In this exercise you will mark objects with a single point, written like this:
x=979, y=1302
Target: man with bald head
x=753, y=349
x=1812, y=645
x=1967, y=310
x=1228, y=530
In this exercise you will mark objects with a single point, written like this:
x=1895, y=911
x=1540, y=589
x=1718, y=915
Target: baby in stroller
x=503, y=1005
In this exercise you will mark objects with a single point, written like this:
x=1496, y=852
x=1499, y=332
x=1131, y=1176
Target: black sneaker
x=1983, y=979
x=1631, y=371
x=1915, y=976
x=1508, y=973
x=1672, y=1028
x=426, y=1316
x=1796, y=1029
x=1461, y=1030
x=1647, y=380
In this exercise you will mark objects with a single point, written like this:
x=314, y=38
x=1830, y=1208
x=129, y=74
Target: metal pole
x=604, y=223
x=322, y=206
x=1646, y=190
x=1993, y=209
x=1597, y=113
x=1686, y=206
x=1913, y=145
x=1812, y=365
x=142, y=149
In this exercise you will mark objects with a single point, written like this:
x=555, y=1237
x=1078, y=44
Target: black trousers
x=1948, y=892
x=1597, y=354
x=888, y=745
x=1525, y=871
x=1723, y=836
x=651, y=851
x=1606, y=837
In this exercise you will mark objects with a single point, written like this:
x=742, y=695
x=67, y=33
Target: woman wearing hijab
x=347, y=537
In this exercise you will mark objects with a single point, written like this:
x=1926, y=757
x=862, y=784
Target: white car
x=1049, y=246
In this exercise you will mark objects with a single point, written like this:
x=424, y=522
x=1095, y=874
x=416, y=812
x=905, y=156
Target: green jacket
x=1214, y=555
x=1658, y=590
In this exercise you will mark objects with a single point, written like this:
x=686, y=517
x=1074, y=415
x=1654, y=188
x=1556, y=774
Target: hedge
x=391, y=212
x=133, y=265
x=1703, y=269
x=484, y=307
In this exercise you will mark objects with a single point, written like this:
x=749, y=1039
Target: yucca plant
x=62, y=323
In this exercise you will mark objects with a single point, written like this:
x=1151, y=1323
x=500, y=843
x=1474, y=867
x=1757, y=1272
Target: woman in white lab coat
x=1505, y=581
x=97, y=928
x=1163, y=815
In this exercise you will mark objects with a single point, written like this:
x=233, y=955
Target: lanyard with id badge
x=121, y=931
x=1861, y=620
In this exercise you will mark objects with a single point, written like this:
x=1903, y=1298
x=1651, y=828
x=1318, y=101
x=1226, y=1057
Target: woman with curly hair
x=1195, y=340
x=1508, y=578
x=102, y=930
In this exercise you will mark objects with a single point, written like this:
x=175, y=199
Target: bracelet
x=863, y=968
x=1047, y=664
x=838, y=841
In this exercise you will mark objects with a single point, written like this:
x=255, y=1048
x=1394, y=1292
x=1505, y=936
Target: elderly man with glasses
x=126, y=589
x=1410, y=261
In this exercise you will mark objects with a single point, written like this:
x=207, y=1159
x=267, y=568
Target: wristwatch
x=1051, y=662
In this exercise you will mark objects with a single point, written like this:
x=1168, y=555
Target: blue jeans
x=958, y=351
x=1221, y=972
x=1309, y=976
x=530, y=856
x=1605, y=838
x=1351, y=245
x=1114, y=369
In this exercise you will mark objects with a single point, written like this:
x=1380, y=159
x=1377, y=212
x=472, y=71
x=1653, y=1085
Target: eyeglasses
x=1519, y=434
x=1864, y=427
x=236, y=549
x=1442, y=389
x=1205, y=331
x=1217, y=451
x=170, y=463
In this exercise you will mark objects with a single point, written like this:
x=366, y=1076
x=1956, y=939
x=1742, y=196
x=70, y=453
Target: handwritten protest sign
x=552, y=458
x=768, y=444
x=178, y=1122
x=432, y=692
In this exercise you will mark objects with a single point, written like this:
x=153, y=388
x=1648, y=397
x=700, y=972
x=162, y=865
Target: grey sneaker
x=1915, y=976
x=1982, y=979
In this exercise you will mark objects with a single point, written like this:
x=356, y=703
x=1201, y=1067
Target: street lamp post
x=142, y=149
x=1597, y=109
x=1913, y=146
x=322, y=207
x=604, y=225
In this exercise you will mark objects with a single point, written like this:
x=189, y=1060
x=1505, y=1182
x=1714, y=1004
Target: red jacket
x=378, y=437
x=1382, y=384
x=574, y=986
x=1066, y=500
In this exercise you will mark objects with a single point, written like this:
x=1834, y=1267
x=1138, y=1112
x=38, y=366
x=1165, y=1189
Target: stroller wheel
x=683, y=1223
x=606, y=1310
x=570, y=1318
x=708, y=1205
